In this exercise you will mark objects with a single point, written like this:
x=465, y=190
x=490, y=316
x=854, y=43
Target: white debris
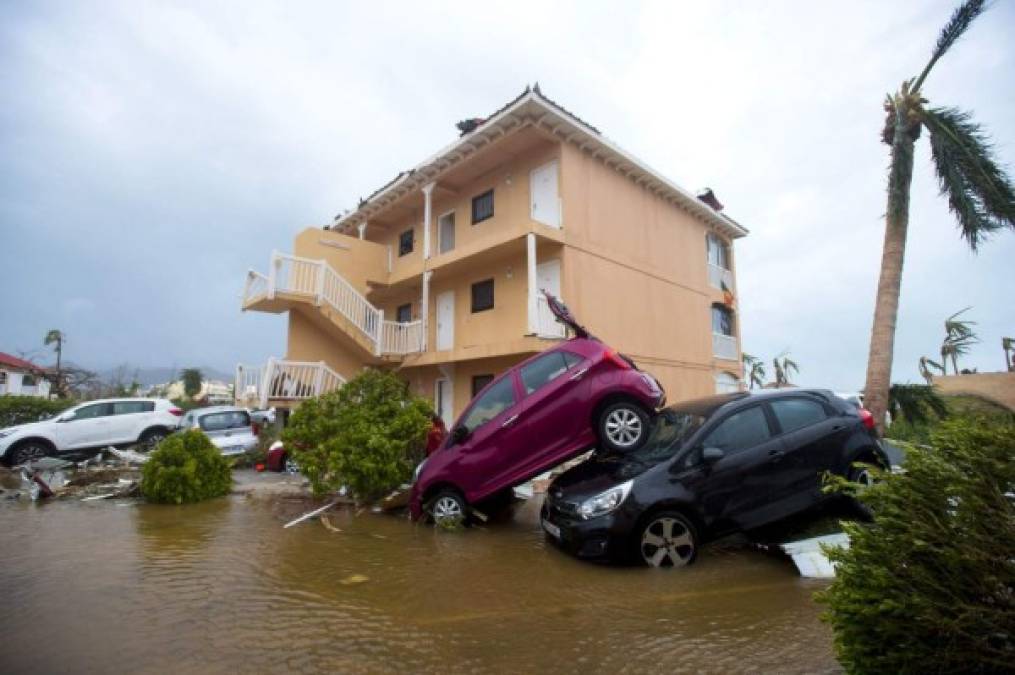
x=810, y=559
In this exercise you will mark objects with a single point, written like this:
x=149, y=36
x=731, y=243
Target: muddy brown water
x=220, y=587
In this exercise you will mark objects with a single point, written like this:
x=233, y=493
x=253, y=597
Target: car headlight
x=604, y=502
x=415, y=474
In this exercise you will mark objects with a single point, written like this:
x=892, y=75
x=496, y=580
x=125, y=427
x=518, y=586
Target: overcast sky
x=150, y=153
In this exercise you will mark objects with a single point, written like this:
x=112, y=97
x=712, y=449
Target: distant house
x=21, y=378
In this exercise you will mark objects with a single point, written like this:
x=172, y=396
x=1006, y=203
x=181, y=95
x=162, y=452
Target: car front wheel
x=448, y=509
x=150, y=439
x=623, y=426
x=668, y=539
x=28, y=451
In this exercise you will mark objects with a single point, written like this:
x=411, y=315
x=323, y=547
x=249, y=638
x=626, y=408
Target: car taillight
x=176, y=411
x=867, y=418
x=616, y=359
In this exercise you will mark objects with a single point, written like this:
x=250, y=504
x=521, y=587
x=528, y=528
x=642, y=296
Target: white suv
x=94, y=424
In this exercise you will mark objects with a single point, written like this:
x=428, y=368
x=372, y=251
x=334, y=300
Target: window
x=482, y=296
x=404, y=313
x=571, y=358
x=28, y=380
x=92, y=411
x=232, y=419
x=740, y=431
x=480, y=381
x=493, y=402
x=405, y=241
x=722, y=320
x=482, y=207
x=797, y=413
x=543, y=370
x=3, y=377
x=718, y=252
x=446, y=232
x=130, y=407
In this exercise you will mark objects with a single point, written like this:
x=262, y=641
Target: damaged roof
x=533, y=108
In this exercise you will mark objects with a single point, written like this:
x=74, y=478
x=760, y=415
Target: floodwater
x=220, y=587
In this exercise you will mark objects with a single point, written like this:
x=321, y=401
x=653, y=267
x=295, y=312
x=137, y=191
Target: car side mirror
x=711, y=455
x=459, y=434
x=66, y=417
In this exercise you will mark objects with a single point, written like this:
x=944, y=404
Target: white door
x=443, y=397
x=548, y=279
x=445, y=320
x=545, y=198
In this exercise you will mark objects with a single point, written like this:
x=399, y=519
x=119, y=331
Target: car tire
x=666, y=539
x=863, y=476
x=289, y=465
x=28, y=451
x=623, y=426
x=150, y=439
x=448, y=509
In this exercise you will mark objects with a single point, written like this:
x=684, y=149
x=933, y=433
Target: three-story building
x=438, y=273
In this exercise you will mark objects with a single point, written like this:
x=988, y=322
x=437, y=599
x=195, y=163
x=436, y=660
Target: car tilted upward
x=536, y=415
x=710, y=467
x=91, y=425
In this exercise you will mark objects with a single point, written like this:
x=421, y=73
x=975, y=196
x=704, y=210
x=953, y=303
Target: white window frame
x=440, y=239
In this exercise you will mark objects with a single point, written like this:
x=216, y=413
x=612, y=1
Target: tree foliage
x=915, y=403
x=929, y=586
x=186, y=468
x=24, y=409
x=367, y=435
x=192, y=378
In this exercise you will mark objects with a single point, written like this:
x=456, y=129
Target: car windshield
x=669, y=431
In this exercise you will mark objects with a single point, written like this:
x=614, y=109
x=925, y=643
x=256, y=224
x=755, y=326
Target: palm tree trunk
x=886, y=309
x=955, y=363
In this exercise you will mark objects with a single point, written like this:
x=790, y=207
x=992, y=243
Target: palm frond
x=789, y=365
x=934, y=364
x=979, y=191
x=950, y=34
x=915, y=403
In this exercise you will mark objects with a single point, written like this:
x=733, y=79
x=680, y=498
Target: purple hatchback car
x=542, y=412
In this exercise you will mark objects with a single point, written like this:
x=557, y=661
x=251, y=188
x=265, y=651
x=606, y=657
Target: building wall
x=356, y=260
x=13, y=384
x=996, y=387
x=307, y=341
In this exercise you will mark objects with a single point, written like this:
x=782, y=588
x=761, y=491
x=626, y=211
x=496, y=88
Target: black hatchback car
x=710, y=467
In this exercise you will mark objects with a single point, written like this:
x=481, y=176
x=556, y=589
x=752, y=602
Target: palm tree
x=979, y=192
x=959, y=336
x=56, y=337
x=925, y=366
x=755, y=370
x=1008, y=345
x=783, y=368
x=913, y=402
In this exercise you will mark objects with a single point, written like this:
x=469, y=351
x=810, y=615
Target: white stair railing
x=255, y=287
x=402, y=338
x=284, y=380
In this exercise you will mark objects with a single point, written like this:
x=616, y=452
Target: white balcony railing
x=317, y=280
x=546, y=323
x=717, y=276
x=724, y=346
x=284, y=380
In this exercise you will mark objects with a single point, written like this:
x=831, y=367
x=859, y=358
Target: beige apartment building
x=438, y=273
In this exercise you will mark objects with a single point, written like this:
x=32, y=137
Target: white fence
x=284, y=380
x=317, y=280
x=724, y=346
x=717, y=276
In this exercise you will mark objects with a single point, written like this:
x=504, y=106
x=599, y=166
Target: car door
x=88, y=426
x=553, y=411
x=495, y=444
x=813, y=437
x=743, y=488
x=128, y=420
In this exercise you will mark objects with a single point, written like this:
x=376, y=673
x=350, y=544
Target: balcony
x=283, y=381
x=313, y=283
x=717, y=276
x=724, y=346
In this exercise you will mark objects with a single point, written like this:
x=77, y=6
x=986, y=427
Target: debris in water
x=327, y=524
x=129, y=456
x=308, y=516
x=354, y=579
x=808, y=557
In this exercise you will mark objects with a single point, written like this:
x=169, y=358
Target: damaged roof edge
x=588, y=138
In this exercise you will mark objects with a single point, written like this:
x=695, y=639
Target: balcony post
x=533, y=306
x=424, y=311
x=320, y=282
x=378, y=329
x=266, y=382
x=427, y=214
x=273, y=268
x=362, y=227
x=318, y=380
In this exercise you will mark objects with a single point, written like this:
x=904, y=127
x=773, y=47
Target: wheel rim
x=667, y=542
x=447, y=509
x=29, y=453
x=864, y=478
x=623, y=427
x=153, y=441
x=290, y=466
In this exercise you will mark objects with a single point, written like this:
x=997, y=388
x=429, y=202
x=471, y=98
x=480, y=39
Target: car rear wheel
x=668, y=539
x=150, y=439
x=448, y=509
x=29, y=451
x=623, y=426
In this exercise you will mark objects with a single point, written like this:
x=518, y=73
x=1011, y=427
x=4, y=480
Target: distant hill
x=149, y=376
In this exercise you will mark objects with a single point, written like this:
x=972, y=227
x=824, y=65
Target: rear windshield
x=231, y=419
x=669, y=431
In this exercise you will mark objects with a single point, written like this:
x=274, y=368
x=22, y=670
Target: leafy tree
x=783, y=369
x=927, y=587
x=915, y=403
x=192, y=378
x=979, y=192
x=755, y=370
x=55, y=337
x=186, y=467
x=367, y=435
x=24, y=409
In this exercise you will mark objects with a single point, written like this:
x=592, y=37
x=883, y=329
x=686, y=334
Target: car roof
x=707, y=406
x=120, y=400
x=218, y=408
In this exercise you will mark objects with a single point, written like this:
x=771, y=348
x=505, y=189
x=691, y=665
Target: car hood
x=596, y=474
x=24, y=428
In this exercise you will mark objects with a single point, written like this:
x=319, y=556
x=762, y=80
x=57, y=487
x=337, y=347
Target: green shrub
x=186, y=468
x=24, y=409
x=929, y=586
x=367, y=435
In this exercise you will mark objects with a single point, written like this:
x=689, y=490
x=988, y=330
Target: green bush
x=367, y=435
x=24, y=409
x=929, y=586
x=186, y=468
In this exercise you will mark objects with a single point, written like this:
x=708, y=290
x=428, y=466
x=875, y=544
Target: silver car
x=228, y=427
